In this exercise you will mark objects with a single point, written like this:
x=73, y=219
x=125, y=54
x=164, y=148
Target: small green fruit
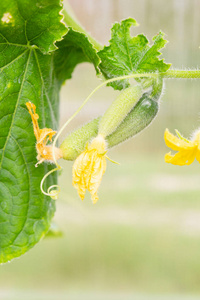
x=75, y=142
x=137, y=120
x=118, y=110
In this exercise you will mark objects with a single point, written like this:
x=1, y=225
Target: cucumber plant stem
x=181, y=74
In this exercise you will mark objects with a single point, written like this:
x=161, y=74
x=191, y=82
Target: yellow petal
x=98, y=144
x=89, y=167
x=32, y=111
x=198, y=154
x=43, y=136
x=81, y=188
x=183, y=157
x=175, y=143
x=78, y=173
x=99, y=167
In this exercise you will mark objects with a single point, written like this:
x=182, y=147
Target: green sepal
x=181, y=137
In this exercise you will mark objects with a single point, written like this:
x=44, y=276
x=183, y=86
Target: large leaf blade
x=25, y=75
x=75, y=48
x=36, y=23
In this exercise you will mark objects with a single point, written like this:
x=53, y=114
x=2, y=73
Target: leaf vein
x=16, y=106
x=47, y=96
x=28, y=206
x=1, y=69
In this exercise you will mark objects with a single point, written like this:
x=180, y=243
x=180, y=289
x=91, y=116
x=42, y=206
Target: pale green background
x=142, y=239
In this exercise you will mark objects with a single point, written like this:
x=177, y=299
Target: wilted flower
x=44, y=151
x=89, y=167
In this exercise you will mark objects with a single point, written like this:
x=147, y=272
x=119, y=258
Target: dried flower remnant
x=44, y=151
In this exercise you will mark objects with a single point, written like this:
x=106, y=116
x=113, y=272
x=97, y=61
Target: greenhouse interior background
x=142, y=239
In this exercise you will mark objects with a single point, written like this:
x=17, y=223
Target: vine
x=31, y=82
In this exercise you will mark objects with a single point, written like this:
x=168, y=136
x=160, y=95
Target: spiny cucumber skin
x=138, y=119
x=75, y=142
x=119, y=109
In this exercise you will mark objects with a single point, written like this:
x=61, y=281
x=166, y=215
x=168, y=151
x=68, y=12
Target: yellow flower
x=188, y=150
x=44, y=151
x=89, y=167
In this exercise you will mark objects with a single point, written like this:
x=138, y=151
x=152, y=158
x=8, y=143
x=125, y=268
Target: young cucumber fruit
x=119, y=109
x=139, y=118
x=75, y=142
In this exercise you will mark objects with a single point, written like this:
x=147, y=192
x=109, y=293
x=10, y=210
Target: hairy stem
x=181, y=74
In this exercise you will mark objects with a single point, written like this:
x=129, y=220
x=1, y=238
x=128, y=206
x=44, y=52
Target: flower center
x=98, y=144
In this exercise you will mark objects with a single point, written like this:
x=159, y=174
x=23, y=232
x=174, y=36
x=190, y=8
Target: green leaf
x=74, y=49
x=31, y=22
x=26, y=74
x=126, y=54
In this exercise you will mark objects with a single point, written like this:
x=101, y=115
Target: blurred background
x=142, y=239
